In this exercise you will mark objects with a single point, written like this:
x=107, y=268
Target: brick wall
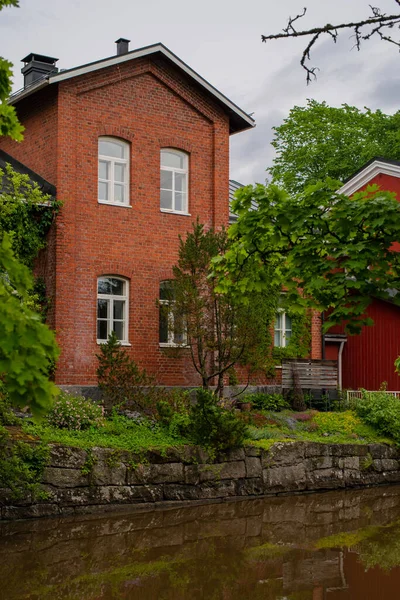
x=150, y=105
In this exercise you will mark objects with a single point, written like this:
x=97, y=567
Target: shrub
x=74, y=412
x=7, y=417
x=260, y=401
x=123, y=382
x=212, y=426
x=382, y=411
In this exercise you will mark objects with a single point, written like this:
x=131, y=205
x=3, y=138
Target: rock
x=156, y=473
x=253, y=466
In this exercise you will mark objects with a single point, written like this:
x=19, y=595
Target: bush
x=74, y=412
x=7, y=416
x=260, y=401
x=123, y=382
x=382, y=411
x=212, y=426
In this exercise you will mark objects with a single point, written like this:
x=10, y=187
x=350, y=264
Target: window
x=113, y=172
x=174, y=181
x=172, y=330
x=112, y=308
x=283, y=329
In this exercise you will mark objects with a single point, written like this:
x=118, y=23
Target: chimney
x=37, y=66
x=122, y=46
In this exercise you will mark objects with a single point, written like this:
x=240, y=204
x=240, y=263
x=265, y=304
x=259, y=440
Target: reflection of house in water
x=321, y=572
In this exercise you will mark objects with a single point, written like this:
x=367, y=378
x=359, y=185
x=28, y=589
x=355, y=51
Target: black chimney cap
x=122, y=40
x=40, y=58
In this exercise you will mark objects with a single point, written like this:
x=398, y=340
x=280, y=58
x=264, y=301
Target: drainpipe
x=342, y=343
x=323, y=335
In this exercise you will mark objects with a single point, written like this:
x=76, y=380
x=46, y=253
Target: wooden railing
x=310, y=374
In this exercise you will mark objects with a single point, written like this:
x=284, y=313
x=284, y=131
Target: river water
x=331, y=546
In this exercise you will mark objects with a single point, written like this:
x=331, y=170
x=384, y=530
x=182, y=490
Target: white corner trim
x=363, y=177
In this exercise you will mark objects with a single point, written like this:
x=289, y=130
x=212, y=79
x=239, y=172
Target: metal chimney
x=122, y=46
x=36, y=66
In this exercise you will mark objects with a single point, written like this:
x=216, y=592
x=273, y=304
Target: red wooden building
x=366, y=360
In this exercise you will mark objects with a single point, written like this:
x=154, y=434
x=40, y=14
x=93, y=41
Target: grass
x=117, y=432
x=312, y=426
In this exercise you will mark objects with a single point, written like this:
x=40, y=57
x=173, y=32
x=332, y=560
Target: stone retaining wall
x=76, y=481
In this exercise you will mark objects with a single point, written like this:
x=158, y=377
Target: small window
x=282, y=330
x=112, y=308
x=174, y=181
x=172, y=331
x=113, y=172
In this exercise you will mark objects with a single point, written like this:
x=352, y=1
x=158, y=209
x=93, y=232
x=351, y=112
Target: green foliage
x=123, y=382
x=118, y=432
x=74, y=412
x=272, y=402
x=9, y=124
x=382, y=411
x=318, y=141
x=397, y=365
x=21, y=467
x=27, y=346
x=221, y=329
x=329, y=252
x=7, y=417
x=26, y=214
x=212, y=426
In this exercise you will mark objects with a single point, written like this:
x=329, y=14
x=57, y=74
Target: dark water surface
x=333, y=546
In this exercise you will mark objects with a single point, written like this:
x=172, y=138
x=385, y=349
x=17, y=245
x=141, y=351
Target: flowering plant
x=74, y=412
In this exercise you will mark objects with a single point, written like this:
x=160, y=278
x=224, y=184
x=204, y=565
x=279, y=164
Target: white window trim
x=282, y=330
x=171, y=333
x=111, y=297
x=112, y=160
x=174, y=170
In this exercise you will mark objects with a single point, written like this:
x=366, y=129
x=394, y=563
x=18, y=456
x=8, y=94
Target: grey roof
x=233, y=186
x=45, y=186
x=239, y=120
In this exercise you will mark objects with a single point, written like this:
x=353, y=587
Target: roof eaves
x=242, y=119
x=45, y=186
x=371, y=169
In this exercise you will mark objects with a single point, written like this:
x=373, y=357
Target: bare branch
x=362, y=32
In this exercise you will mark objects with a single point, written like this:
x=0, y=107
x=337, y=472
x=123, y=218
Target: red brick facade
x=151, y=105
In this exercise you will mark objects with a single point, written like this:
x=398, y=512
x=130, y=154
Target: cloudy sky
x=221, y=40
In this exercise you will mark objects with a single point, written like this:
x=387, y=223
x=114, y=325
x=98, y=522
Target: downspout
x=322, y=335
x=342, y=343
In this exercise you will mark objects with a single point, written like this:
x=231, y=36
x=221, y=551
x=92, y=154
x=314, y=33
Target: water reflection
x=335, y=546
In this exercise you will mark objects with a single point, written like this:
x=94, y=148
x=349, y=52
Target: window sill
x=101, y=342
x=114, y=204
x=171, y=345
x=175, y=212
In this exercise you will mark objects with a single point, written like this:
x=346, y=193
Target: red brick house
x=366, y=360
x=137, y=146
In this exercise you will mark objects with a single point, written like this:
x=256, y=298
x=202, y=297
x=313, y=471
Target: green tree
x=318, y=141
x=330, y=252
x=9, y=124
x=27, y=347
x=220, y=329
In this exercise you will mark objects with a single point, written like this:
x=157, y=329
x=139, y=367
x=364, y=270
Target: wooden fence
x=310, y=374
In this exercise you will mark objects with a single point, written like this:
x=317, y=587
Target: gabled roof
x=367, y=172
x=239, y=120
x=45, y=186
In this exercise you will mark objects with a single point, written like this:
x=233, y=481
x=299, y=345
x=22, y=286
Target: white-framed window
x=171, y=328
x=113, y=187
x=174, y=181
x=282, y=329
x=112, y=308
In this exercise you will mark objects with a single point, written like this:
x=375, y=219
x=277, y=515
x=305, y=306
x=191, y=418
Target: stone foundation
x=76, y=481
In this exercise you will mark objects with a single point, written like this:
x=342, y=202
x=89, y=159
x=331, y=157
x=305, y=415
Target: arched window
x=113, y=171
x=112, y=308
x=172, y=331
x=174, y=181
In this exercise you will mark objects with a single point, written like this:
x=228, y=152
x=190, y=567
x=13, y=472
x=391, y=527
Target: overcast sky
x=221, y=40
